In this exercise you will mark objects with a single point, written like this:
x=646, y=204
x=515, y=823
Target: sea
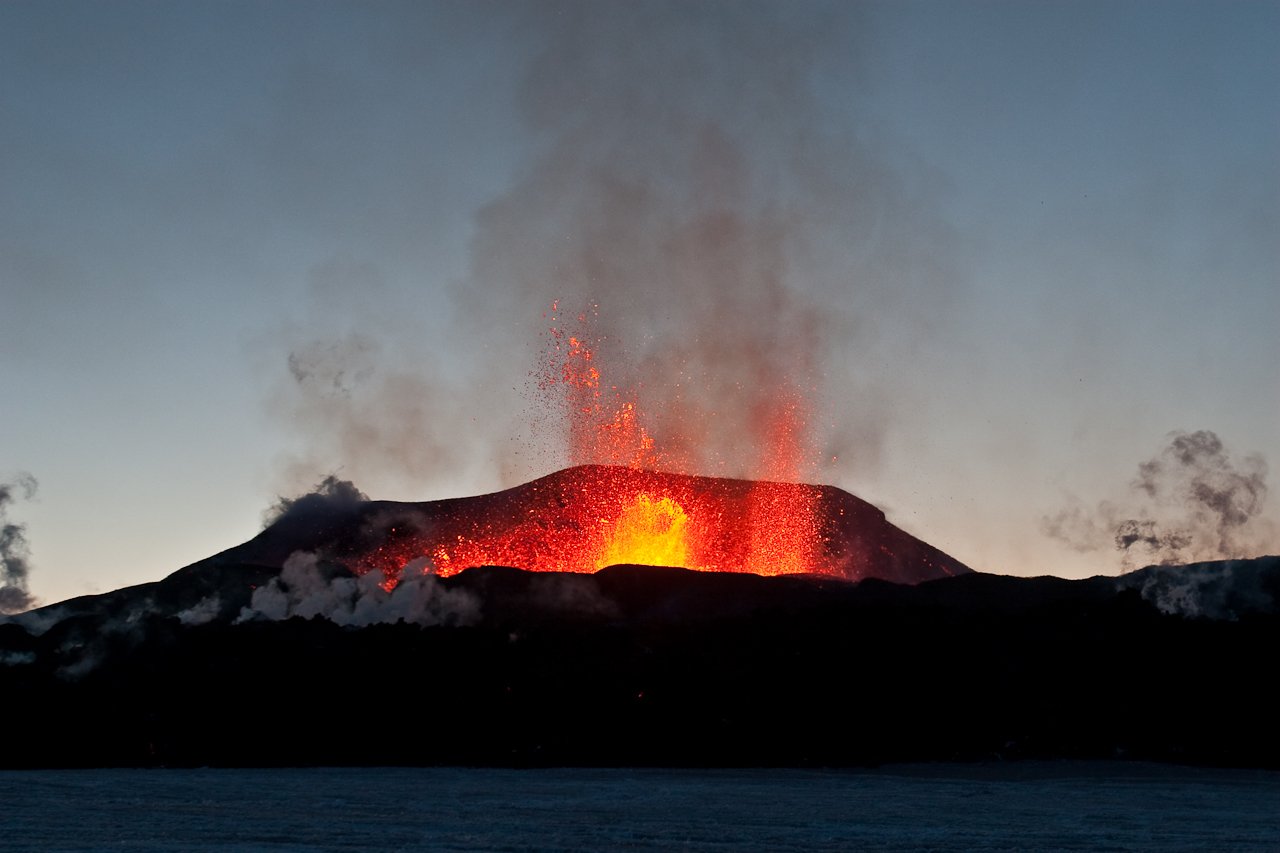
x=998, y=806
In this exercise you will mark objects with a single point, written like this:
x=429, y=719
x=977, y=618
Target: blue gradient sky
x=1041, y=236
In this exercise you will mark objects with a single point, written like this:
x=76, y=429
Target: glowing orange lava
x=588, y=517
x=649, y=532
x=603, y=423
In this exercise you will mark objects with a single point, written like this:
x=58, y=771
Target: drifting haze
x=699, y=232
x=988, y=253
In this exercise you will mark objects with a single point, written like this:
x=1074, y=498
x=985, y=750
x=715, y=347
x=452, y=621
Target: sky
x=1019, y=262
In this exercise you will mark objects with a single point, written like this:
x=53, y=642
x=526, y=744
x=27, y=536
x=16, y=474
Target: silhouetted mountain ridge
x=274, y=652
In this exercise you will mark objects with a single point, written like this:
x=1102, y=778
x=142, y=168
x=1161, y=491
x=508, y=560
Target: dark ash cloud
x=15, y=552
x=1192, y=501
x=331, y=496
x=1195, y=471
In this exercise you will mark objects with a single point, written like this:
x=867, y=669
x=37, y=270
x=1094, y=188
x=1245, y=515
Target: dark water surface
x=1024, y=806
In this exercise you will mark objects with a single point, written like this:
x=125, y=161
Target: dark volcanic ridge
x=276, y=652
x=642, y=665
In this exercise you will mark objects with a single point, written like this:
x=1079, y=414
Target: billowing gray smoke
x=1191, y=501
x=1220, y=495
x=738, y=257
x=15, y=553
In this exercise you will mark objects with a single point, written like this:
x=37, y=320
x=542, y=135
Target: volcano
x=801, y=629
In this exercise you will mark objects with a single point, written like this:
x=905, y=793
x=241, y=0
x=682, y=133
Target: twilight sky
x=1006, y=252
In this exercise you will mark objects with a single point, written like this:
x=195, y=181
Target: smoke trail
x=687, y=188
x=1191, y=501
x=14, y=550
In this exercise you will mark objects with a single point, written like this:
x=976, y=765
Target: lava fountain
x=620, y=507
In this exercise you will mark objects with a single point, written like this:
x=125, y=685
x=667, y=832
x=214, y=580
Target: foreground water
x=1027, y=806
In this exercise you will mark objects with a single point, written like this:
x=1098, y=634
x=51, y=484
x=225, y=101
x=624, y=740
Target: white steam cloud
x=305, y=590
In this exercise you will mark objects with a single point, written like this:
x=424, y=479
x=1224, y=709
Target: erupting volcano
x=540, y=624
x=628, y=500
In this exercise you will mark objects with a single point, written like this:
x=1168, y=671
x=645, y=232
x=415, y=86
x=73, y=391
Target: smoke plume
x=14, y=550
x=331, y=496
x=735, y=259
x=1192, y=501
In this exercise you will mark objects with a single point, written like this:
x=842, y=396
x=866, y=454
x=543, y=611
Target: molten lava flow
x=649, y=532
